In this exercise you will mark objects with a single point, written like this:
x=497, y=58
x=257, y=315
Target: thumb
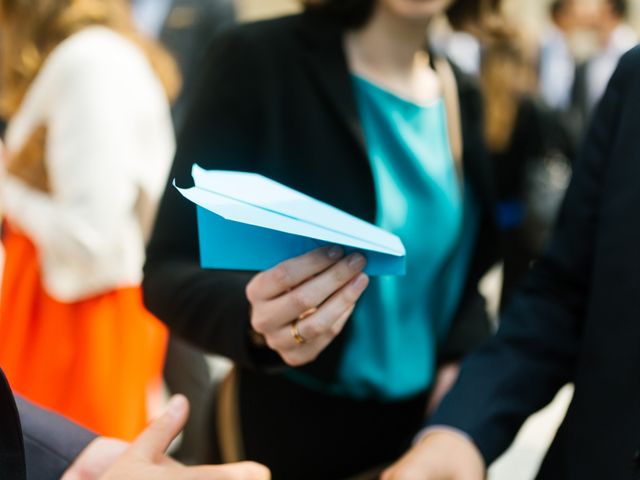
x=71, y=475
x=232, y=471
x=157, y=437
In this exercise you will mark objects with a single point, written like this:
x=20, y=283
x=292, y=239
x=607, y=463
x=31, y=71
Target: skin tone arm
x=145, y=458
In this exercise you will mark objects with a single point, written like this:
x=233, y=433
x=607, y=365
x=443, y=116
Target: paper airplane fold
x=249, y=222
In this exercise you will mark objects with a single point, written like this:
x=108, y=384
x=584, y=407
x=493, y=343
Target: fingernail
x=334, y=252
x=361, y=282
x=356, y=261
x=176, y=405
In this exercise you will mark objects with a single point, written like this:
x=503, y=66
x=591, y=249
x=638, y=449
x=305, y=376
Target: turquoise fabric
x=399, y=321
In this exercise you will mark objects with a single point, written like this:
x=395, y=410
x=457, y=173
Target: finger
x=291, y=273
x=167, y=461
x=408, y=473
x=155, y=439
x=307, y=353
x=233, y=471
x=387, y=474
x=342, y=321
x=71, y=474
x=284, y=341
x=327, y=320
x=303, y=354
x=311, y=294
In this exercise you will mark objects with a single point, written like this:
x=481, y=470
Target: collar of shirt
x=622, y=39
x=150, y=15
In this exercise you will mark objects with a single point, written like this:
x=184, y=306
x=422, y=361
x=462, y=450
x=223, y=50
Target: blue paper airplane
x=249, y=222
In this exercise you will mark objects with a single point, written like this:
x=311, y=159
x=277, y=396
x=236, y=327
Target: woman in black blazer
x=294, y=99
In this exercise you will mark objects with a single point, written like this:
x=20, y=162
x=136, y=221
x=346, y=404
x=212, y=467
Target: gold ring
x=295, y=333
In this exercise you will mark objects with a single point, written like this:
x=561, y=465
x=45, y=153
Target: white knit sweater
x=109, y=147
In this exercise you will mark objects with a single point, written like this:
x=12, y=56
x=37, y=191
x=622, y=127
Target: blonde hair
x=508, y=72
x=31, y=29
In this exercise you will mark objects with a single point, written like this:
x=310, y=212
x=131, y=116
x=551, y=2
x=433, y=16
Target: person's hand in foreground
x=302, y=304
x=440, y=455
x=108, y=459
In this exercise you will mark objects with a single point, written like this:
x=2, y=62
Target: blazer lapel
x=324, y=59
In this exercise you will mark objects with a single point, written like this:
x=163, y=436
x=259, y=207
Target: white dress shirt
x=108, y=150
x=557, y=70
x=461, y=48
x=601, y=67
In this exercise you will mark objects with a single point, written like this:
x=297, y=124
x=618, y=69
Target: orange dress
x=95, y=361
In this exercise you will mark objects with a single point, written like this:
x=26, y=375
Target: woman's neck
x=391, y=51
x=387, y=44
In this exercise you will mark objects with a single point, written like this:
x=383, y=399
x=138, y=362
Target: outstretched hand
x=145, y=458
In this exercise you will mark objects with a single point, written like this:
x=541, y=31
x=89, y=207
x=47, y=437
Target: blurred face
x=418, y=10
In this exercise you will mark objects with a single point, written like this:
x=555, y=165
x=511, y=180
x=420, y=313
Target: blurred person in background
x=186, y=28
x=460, y=39
x=89, y=145
x=531, y=150
x=460, y=45
x=557, y=62
x=575, y=320
x=344, y=103
x=615, y=37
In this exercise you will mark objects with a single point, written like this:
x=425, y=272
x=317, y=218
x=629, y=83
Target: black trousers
x=302, y=434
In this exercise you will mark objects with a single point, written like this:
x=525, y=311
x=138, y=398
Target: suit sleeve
x=535, y=350
x=51, y=443
x=209, y=308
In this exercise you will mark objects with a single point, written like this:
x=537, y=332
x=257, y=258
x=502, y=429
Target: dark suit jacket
x=276, y=98
x=577, y=319
x=187, y=32
x=35, y=444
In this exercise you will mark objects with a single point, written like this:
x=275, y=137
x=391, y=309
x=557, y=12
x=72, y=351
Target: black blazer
x=35, y=444
x=276, y=98
x=577, y=319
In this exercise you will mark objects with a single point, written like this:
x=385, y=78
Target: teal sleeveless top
x=395, y=330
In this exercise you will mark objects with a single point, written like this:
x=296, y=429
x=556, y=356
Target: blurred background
x=531, y=13
x=532, y=19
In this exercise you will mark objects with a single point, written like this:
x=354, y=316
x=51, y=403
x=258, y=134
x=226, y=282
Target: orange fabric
x=93, y=361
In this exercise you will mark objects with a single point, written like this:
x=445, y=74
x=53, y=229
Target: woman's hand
x=440, y=455
x=302, y=304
